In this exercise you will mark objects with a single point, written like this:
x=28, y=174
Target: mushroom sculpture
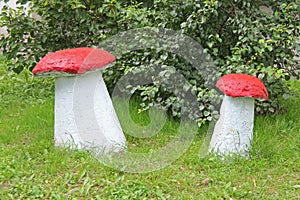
x=233, y=131
x=84, y=114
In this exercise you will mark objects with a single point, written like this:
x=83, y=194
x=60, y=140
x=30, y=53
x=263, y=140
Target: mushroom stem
x=84, y=114
x=233, y=131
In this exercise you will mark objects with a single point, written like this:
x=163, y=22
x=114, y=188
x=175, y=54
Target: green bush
x=65, y=24
x=23, y=87
x=242, y=38
x=239, y=36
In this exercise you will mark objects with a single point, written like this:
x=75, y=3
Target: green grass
x=32, y=168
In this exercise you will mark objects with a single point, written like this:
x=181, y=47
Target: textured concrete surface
x=84, y=114
x=73, y=61
x=233, y=131
x=242, y=85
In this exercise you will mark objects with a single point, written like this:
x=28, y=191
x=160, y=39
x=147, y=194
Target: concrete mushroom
x=84, y=114
x=233, y=131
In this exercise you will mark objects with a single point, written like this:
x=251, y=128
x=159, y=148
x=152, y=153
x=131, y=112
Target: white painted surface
x=84, y=114
x=233, y=131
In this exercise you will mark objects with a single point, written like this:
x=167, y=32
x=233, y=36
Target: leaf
x=297, y=186
x=205, y=181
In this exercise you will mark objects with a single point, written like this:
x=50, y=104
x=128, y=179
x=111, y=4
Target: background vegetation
x=240, y=36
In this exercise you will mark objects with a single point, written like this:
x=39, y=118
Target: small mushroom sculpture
x=84, y=114
x=233, y=131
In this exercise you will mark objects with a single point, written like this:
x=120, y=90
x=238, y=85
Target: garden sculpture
x=84, y=114
x=233, y=131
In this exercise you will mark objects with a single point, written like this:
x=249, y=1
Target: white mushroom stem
x=233, y=131
x=84, y=114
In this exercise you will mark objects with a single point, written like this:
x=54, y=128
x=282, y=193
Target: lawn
x=32, y=168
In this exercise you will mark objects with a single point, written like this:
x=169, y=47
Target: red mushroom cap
x=242, y=85
x=73, y=61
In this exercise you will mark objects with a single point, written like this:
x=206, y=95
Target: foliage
x=63, y=25
x=23, y=87
x=243, y=38
x=239, y=36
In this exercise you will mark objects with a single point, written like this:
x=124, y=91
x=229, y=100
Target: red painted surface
x=242, y=85
x=74, y=61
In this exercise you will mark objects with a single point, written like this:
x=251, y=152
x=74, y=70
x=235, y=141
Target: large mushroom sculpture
x=233, y=131
x=84, y=114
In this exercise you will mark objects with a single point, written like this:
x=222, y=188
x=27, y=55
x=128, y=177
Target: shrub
x=243, y=38
x=239, y=35
x=64, y=24
x=22, y=88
